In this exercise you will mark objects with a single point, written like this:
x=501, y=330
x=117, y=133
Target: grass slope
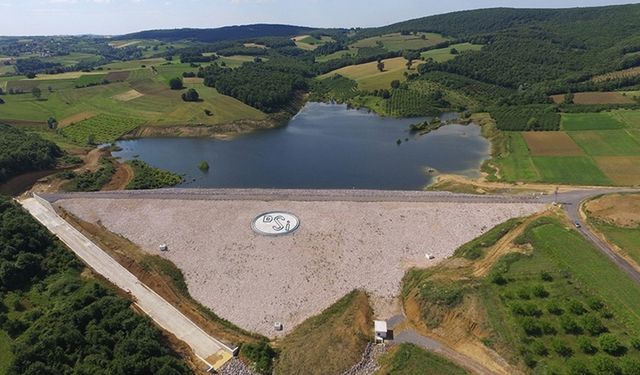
x=329, y=343
x=369, y=77
x=408, y=359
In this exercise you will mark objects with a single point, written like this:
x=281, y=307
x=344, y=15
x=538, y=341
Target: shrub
x=530, y=361
x=531, y=327
x=606, y=365
x=630, y=367
x=577, y=367
x=595, y=304
x=540, y=292
x=593, y=325
x=203, y=166
x=561, y=348
x=548, y=328
x=498, y=278
x=191, y=96
x=261, y=355
x=576, y=307
x=523, y=293
x=635, y=343
x=554, y=309
x=610, y=344
x=538, y=348
x=570, y=326
x=586, y=346
x=442, y=294
x=176, y=83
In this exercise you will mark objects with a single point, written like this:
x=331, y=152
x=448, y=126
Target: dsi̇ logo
x=275, y=223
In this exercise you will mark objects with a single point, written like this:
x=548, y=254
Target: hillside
x=219, y=34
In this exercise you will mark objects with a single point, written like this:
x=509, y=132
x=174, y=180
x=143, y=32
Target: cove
x=325, y=146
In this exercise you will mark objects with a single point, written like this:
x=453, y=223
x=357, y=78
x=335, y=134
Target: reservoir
x=325, y=146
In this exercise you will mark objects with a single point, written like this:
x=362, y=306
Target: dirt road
x=207, y=348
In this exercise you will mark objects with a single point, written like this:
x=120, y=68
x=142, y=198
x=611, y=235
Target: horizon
x=118, y=17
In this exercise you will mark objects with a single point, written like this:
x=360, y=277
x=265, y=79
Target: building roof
x=380, y=325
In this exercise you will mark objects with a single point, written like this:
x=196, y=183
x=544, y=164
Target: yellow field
x=623, y=170
x=129, y=95
x=370, y=78
x=68, y=75
x=631, y=72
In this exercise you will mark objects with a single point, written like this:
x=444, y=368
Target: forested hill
x=220, y=34
x=585, y=23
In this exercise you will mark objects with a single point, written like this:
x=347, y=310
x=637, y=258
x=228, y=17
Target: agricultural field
x=399, y=42
x=444, y=54
x=370, y=78
x=589, y=121
x=546, y=305
x=335, y=55
x=531, y=117
x=100, y=129
x=593, y=149
x=610, y=97
x=617, y=217
x=309, y=43
x=139, y=94
x=235, y=61
x=620, y=74
x=551, y=144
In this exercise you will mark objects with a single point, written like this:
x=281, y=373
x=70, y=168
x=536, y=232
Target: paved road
x=305, y=195
x=211, y=351
x=411, y=336
x=572, y=204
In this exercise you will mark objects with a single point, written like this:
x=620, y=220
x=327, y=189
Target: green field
x=628, y=239
x=607, y=142
x=398, y=42
x=516, y=164
x=152, y=102
x=100, y=129
x=630, y=118
x=589, y=121
x=444, y=54
x=569, y=170
x=408, y=359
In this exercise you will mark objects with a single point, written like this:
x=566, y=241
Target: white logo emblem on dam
x=275, y=223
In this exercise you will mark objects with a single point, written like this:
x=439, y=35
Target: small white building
x=164, y=247
x=380, y=328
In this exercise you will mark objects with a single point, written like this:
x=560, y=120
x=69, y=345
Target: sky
x=114, y=17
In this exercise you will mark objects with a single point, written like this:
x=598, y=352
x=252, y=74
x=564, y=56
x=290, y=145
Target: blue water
x=325, y=146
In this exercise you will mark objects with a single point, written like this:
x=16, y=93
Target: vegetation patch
x=408, y=359
x=401, y=41
x=607, y=142
x=546, y=310
x=329, y=343
x=51, y=316
x=570, y=170
x=451, y=52
x=589, y=121
x=622, y=170
x=551, y=144
x=22, y=152
x=91, y=181
x=530, y=117
x=476, y=248
x=100, y=129
x=148, y=177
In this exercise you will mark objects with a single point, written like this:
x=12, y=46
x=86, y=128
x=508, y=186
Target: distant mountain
x=221, y=33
